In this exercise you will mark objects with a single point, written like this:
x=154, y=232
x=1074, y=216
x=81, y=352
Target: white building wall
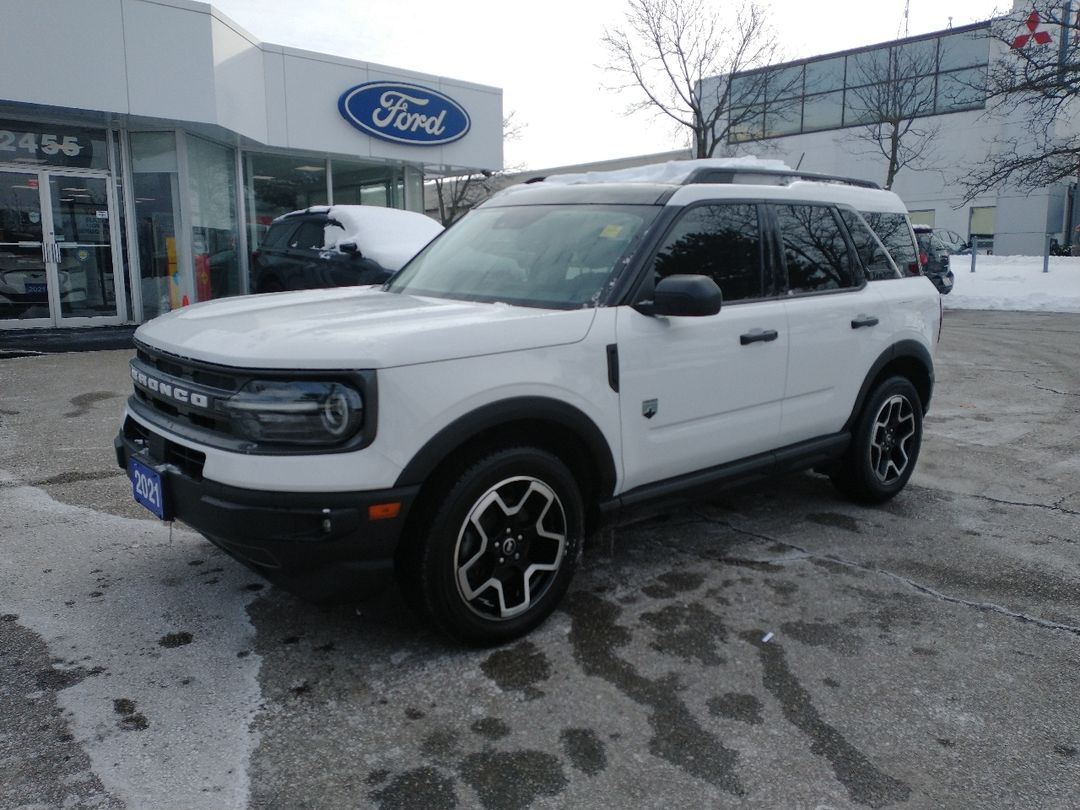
x=183, y=61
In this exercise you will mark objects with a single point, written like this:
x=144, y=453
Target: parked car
x=338, y=246
x=935, y=247
x=570, y=348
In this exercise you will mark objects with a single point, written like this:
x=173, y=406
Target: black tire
x=885, y=445
x=480, y=591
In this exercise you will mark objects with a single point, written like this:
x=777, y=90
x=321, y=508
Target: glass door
x=81, y=247
x=24, y=282
x=57, y=263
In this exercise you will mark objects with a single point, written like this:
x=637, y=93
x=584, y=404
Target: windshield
x=550, y=256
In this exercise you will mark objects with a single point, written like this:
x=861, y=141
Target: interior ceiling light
x=311, y=168
x=262, y=177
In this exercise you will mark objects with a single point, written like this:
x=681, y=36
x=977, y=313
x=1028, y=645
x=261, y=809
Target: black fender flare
x=506, y=412
x=904, y=349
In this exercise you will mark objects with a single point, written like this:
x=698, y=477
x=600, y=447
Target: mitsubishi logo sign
x=1033, y=34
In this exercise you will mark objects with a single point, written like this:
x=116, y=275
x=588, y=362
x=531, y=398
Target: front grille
x=188, y=461
x=204, y=389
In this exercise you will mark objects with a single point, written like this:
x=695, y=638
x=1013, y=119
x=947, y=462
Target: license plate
x=146, y=487
x=36, y=289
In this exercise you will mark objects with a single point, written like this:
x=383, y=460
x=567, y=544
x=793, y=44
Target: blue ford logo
x=404, y=113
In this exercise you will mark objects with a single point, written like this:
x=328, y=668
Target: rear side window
x=309, y=235
x=895, y=233
x=815, y=251
x=278, y=234
x=719, y=241
x=875, y=259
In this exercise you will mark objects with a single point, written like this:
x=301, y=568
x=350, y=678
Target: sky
x=549, y=60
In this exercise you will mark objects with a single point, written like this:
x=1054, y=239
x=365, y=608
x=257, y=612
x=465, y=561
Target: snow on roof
x=390, y=236
x=672, y=172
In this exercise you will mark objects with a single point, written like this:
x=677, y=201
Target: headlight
x=315, y=413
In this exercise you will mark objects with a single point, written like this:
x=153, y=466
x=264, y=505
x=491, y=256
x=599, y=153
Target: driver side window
x=722, y=241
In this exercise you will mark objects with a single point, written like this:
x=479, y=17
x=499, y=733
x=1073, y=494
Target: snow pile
x=672, y=172
x=1015, y=283
x=390, y=236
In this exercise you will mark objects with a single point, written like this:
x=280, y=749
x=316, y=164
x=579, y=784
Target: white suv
x=570, y=348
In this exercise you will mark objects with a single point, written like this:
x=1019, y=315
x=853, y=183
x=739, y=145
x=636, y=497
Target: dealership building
x=815, y=114
x=145, y=146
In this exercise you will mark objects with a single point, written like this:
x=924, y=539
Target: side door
x=697, y=392
x=838, y=325
x=307, y=269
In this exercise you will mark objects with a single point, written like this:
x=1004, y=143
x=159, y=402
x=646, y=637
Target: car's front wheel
x=885, y=444
x=497, y=552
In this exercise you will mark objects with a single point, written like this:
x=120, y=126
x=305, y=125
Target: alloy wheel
x=509, y=547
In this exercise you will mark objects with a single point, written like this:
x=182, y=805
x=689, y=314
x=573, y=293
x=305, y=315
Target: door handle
x=758, y=336
x=864, y=320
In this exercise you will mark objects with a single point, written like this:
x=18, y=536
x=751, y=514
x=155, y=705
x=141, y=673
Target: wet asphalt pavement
x=922, y=654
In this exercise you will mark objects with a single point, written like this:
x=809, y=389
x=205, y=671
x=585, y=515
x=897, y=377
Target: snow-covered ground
x=1015, y=283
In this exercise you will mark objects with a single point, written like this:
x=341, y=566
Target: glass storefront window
x=36, y=144
x=156, y=189
x=356, y=183
x=212, y=184
x=277, y=184
x=414, y=189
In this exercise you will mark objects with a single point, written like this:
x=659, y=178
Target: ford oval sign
x=404, y=113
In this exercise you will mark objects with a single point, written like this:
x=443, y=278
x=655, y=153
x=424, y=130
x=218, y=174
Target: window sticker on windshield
x=611, y=231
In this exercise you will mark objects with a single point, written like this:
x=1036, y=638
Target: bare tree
x=891, y=93
x=457, y=195
x=680, y=55
x=1035, y=86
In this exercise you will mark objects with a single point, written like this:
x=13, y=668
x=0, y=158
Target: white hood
x=355, y=328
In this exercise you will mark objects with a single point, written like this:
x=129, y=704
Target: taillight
x=923, y=259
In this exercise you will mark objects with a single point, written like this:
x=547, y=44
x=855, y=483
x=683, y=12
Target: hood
x=355, y=328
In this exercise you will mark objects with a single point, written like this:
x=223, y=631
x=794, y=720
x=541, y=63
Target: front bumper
x=317, y=545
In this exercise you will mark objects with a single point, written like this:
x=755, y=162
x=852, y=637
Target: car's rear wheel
x=885, y=444
x=495, y=555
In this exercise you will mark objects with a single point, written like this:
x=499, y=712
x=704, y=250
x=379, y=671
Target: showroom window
x=156, y=189
x=278, y=184
x=212, y=186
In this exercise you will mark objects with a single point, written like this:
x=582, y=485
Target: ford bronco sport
x=572, y=347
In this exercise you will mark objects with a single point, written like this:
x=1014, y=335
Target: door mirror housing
x=350, y=248
x=683, y=295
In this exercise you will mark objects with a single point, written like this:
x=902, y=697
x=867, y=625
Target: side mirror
x=683, y=295
x=350, y=248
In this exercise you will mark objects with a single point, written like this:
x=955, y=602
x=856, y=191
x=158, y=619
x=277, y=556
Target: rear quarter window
x=876, y=259
x=895, y=233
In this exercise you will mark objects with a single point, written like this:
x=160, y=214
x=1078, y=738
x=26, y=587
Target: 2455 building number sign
x=53, y=146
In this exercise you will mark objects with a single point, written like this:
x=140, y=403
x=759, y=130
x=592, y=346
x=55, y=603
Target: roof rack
x=770, y=176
